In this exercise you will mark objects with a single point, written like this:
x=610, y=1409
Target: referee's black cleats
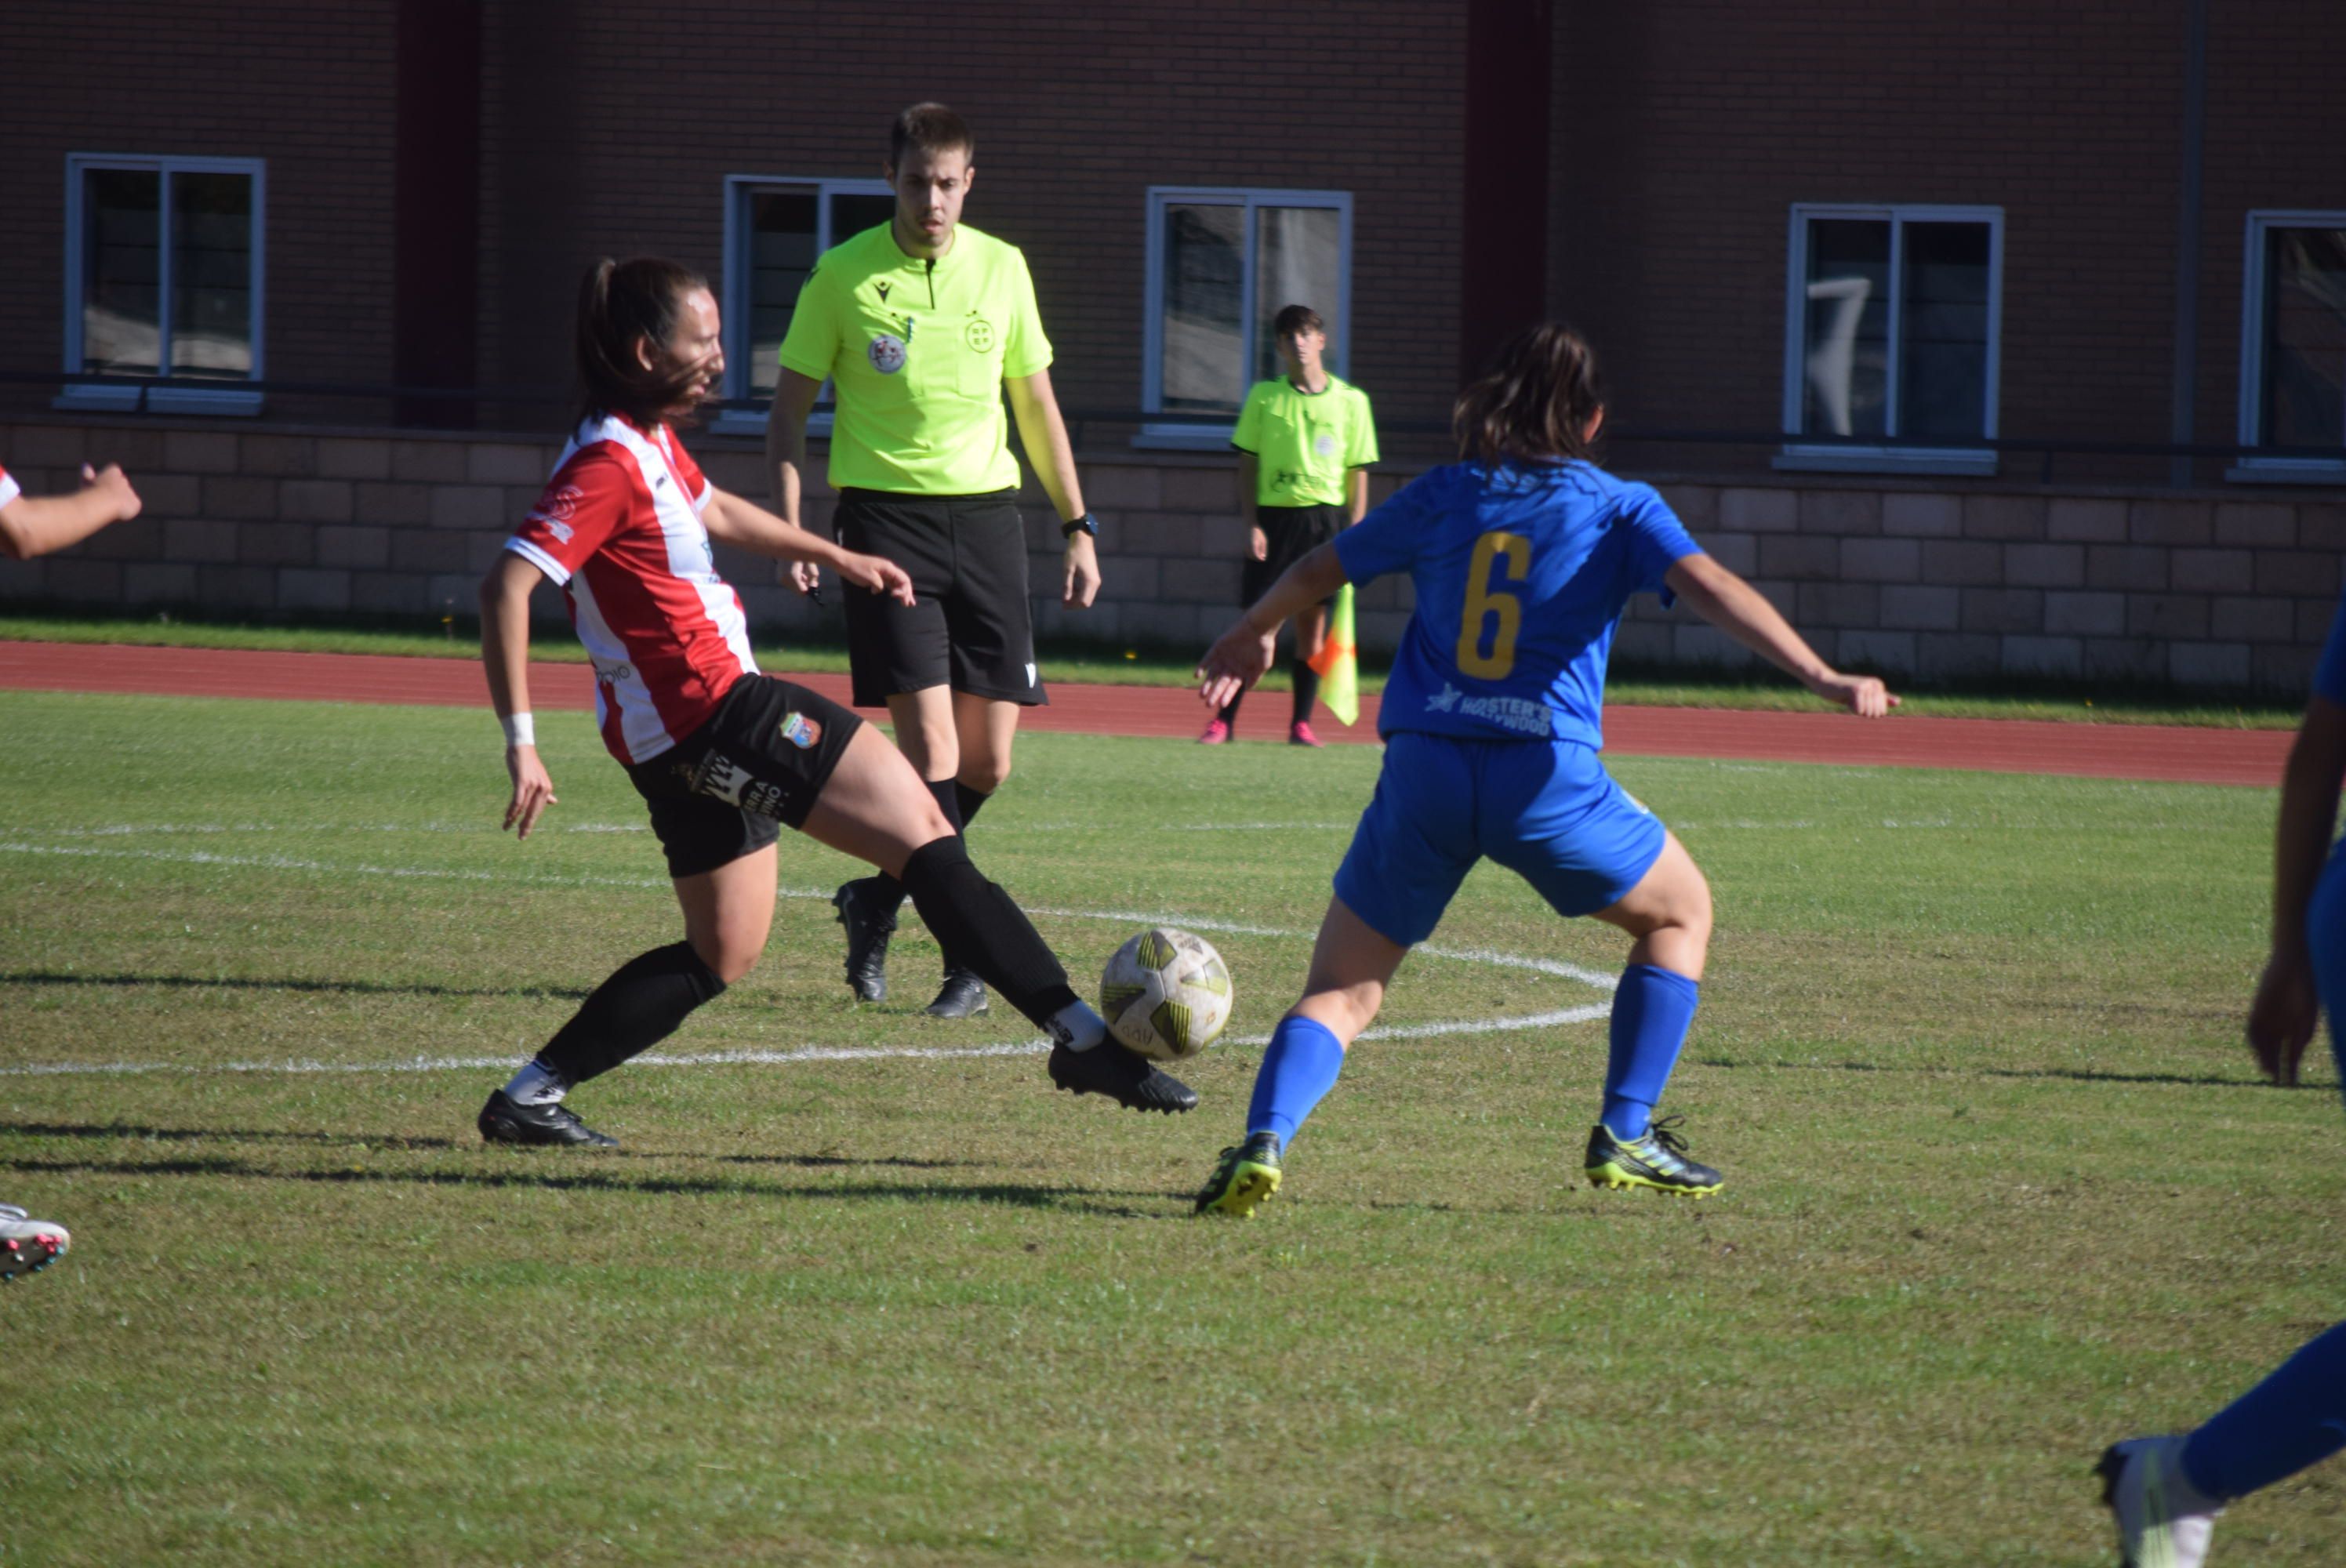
x=871, y=920
x=963, y=995
x=1128, y=1078
x=505, y=1120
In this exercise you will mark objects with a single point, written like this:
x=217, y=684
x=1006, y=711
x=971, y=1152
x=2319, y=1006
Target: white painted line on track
x=1557, y=968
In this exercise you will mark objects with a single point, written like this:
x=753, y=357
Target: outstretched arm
x=733, y=520
x=1743, y=613
x=2286, y=1010
x=34, y=526
x=505, y=654
x=1241, y=654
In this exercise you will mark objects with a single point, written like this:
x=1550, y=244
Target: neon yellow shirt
x=918, y=353
x=1305, y=443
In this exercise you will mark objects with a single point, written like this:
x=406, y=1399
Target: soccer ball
x=1165, y=993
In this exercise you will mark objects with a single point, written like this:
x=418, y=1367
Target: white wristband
x=521, y=729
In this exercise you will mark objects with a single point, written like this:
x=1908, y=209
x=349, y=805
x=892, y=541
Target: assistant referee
x=920, y=324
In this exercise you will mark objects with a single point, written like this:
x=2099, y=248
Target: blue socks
x=1652, y=1009
x=1298, y=1068
x=2294, y=1418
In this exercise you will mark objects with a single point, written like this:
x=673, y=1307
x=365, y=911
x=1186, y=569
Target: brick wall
x=2212, y=590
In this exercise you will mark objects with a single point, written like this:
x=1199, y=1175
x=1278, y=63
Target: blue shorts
x=2325, y=934
x=1545, y=810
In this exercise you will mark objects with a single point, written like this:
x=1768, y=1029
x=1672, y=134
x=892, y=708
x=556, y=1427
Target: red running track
x=2150, y=751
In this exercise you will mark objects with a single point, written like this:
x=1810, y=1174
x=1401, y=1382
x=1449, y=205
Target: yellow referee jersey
x=1305, y=443
x=918, y=350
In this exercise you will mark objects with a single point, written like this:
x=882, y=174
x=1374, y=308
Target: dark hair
x=1297, y=319
x=933, y=128
x=1533, y=404
x=619, y=302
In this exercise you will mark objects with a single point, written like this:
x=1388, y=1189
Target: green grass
x=1150, y=666
x=2001, y=1186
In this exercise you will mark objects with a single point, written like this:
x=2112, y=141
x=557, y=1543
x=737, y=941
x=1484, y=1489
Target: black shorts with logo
x=1292, y=533
x=970, y=627
x=727, y=789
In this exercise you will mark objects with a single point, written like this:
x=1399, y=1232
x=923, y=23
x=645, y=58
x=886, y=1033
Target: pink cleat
x=1299, y=734
x=1216, y=732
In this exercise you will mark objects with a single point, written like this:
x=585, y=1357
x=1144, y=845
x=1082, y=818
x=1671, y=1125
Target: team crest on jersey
x=802, y=731
x=1324, y=444
x=886, y=353
x=978, y=334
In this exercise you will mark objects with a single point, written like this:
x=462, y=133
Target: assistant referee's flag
x=1338, y=663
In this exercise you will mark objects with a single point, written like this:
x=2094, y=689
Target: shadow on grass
x=618, y=1182
x=138, y=1131
x=228, y=982
x=2070, y=1075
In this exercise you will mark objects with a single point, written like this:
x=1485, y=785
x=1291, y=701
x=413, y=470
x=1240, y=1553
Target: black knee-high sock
x=980, y=926
x=1307, y=689
x=639, y=1006
x=948, y=792
x=1230, y=714
x=969, y=802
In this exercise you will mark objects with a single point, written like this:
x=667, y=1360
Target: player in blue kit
x=2167, y=1492
x=1522, y=556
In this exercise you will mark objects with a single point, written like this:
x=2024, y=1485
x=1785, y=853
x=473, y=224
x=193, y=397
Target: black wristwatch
x=1086, y=523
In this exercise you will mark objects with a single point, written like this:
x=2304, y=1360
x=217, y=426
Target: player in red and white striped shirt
x=34, y=526
x=720, y=753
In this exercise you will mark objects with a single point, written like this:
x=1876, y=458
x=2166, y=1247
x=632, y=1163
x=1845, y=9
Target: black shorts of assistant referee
x=970, y=627
x=1291, y=533
x=730, y=788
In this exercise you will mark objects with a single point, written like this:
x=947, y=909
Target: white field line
x=1557, y=968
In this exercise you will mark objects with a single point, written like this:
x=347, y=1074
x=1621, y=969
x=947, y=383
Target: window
x=1221, y=264
x=163, y=281
x=2293, y=347
x=775, y=228
x=1891, y=326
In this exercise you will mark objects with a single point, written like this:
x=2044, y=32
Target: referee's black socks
x=981, y=926
x=1307, y=689
x=639, y=1006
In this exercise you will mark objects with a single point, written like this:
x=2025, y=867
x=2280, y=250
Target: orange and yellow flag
x=1338, y=663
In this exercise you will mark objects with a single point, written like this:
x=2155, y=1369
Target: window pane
x=1847, y=328
x=1299, y=261
x=781, y=254
x=852, y=214
x=2304, y=394
x=211, y=275
x=1204, y=270
x=122, y=216
x=1943, y=325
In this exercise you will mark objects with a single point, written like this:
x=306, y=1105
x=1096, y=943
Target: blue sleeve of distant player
x=1658, y=540
x=1389, y=538
x=2329, y=675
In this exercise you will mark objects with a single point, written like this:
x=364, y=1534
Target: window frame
x=733, y=287
x=160, y=393
x=2251, y=466
x=1161, y=433
x=1893, y=453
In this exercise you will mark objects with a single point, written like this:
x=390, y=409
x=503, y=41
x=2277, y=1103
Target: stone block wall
x=2214, y=590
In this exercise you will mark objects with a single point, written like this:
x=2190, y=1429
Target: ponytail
x=1535, y=401
x=620, y=304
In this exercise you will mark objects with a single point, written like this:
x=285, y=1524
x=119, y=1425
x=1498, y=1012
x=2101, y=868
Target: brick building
x=1908, y=303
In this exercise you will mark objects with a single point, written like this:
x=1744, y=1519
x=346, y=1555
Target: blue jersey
x=1521, y=573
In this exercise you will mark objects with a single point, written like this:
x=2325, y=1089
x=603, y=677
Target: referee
x=1304, y=442
x=920, y=325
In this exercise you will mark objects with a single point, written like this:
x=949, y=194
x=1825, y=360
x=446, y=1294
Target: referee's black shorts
x=1293, y=532
x=730, y=788
x=970, y=627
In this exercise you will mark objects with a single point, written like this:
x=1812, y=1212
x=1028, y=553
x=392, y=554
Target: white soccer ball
x=1165, y=993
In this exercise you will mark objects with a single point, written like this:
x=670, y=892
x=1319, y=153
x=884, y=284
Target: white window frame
x=1338, y=358
x=2251, y=468
x=1892, y=455
x=162, y=395
x=734, y=286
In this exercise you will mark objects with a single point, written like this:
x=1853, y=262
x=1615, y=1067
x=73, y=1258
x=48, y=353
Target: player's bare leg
x=1669, y=915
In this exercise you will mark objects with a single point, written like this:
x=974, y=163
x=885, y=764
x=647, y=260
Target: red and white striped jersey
x=619, y=528
x=9, y=488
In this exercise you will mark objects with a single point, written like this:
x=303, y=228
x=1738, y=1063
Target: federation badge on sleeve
x=802, y=731
x=886, y=353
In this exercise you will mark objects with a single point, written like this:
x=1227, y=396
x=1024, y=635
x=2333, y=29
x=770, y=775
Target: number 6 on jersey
x=1512, y=555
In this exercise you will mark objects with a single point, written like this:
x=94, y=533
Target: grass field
x=2001, y=1184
